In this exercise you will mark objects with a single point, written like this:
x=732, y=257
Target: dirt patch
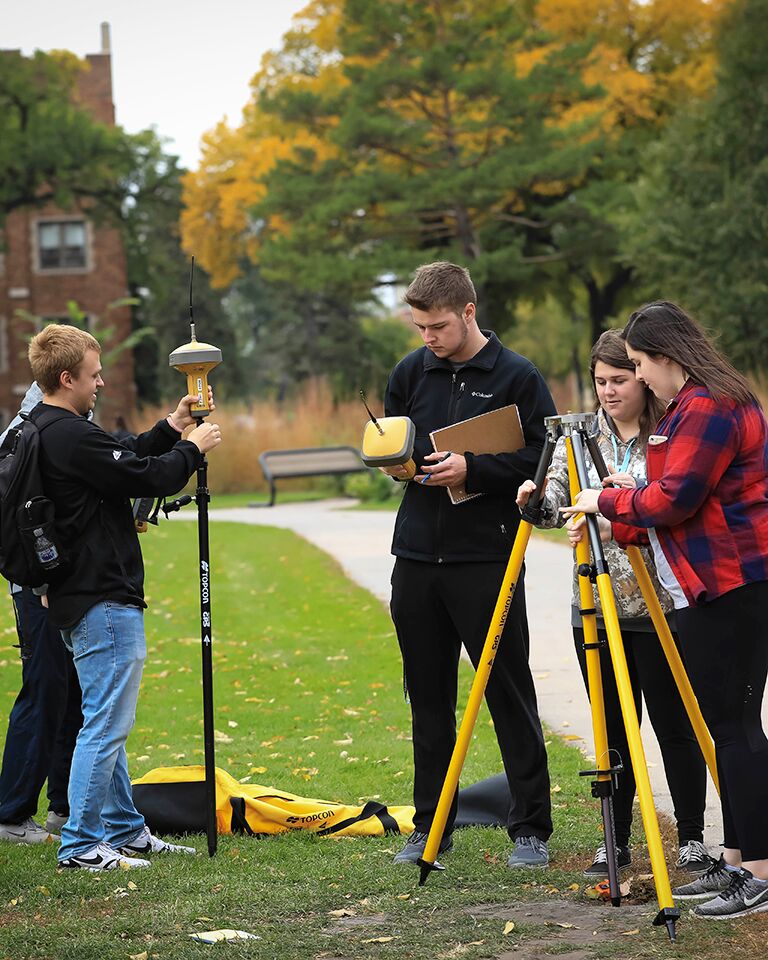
x=561, y=924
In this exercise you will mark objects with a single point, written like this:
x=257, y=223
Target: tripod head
x=570, y=423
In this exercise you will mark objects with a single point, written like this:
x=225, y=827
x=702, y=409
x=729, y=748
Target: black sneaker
x=694, y=857
x=745, y=894
x=599, y=866
x=714, y=880
x=102, y=857
x=413, y=850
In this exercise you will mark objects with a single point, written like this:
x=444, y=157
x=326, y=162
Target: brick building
x=51, y=256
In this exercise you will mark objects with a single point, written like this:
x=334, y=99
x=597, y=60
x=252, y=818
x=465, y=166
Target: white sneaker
x=29, y=831
x=146, y=843
x=102, y=857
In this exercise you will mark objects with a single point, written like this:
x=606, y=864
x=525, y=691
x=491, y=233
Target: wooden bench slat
x=308, y=462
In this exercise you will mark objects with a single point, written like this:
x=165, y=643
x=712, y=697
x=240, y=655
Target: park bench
x=309, y=462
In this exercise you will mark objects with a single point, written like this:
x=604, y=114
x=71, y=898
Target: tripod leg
x=665, y=637
x=602, y=787
x=493, y=637
x=668, y=913
x=206, y=635
x=676, y=666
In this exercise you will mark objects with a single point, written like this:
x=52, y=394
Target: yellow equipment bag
x=172, y=800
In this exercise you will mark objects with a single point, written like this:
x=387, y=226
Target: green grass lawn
x=309, y=699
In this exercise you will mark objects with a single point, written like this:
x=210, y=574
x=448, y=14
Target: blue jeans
x=109, y=650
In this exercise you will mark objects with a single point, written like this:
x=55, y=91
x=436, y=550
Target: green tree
x=51, y=150
x=701, y=230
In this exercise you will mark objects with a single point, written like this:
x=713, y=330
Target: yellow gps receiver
x=388, y=442
x=196, y=359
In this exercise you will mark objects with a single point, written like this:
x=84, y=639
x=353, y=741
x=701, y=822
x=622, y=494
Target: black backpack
x=30, y=552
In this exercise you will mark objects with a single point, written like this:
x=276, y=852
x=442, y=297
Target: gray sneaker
x=413, y=850
x=529, y=852
x=746, y=894
x=713, y=881
x=55, y=821
x=29, y=831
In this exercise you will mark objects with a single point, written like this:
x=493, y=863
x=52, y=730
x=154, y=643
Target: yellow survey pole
x=675, y=662
x=492, y=640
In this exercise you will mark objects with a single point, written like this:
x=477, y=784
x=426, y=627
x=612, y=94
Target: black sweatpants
x=436, y=608
x=45, y=718
x=725, y=643
x=684, y=765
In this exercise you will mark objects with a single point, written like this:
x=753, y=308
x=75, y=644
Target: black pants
x=45, y=718
x=726, y=652
x=436, y=608
x=684, y=765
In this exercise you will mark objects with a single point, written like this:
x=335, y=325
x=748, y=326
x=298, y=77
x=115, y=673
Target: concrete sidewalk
x=360, y=541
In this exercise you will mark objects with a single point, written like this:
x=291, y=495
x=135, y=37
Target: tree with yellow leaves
x=505, y=136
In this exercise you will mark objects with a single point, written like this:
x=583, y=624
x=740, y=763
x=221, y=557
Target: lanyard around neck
x=627, y=455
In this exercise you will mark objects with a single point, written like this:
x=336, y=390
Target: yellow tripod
x=577, y=429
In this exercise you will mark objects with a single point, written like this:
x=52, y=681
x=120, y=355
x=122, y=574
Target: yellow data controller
x=388, y=442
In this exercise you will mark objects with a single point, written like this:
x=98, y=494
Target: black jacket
x=90, y=477
x=426, y=389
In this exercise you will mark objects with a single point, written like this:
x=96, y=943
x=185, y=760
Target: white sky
x=177, y=65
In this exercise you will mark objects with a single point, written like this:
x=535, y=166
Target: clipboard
x=498, y=431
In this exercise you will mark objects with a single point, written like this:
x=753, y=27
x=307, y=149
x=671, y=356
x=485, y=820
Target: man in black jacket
x=97, y=598
x=451, y=558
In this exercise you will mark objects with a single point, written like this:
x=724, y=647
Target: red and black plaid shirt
x=707, y=494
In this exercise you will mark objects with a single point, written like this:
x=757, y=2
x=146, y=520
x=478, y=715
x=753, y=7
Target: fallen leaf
x=378, y=940
x=630, y=933
x=45, y=891
x=231, y=723
x=509, y=926
x=625, y=887
x=341, y=913
x=567, y=926
x=139, y=956
x=574, y=886
x=571, y=736
x=403, y=896
x=556, y=789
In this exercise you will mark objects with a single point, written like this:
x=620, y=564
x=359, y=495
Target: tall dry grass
x=310, y=420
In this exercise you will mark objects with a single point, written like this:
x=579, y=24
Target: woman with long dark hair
x=705, y=510
x=626, y=415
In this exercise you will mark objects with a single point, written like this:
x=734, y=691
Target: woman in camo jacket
x=626, y=416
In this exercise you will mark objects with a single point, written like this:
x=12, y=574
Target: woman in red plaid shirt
x=704, y=510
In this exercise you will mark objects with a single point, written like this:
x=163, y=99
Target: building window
x=61, y=244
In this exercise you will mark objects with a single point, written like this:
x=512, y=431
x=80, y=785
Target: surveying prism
x=388, y=442
x=578, y=432
x=196, y=360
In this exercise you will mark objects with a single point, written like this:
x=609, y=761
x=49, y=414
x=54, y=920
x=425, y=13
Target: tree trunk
x=602, y=300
